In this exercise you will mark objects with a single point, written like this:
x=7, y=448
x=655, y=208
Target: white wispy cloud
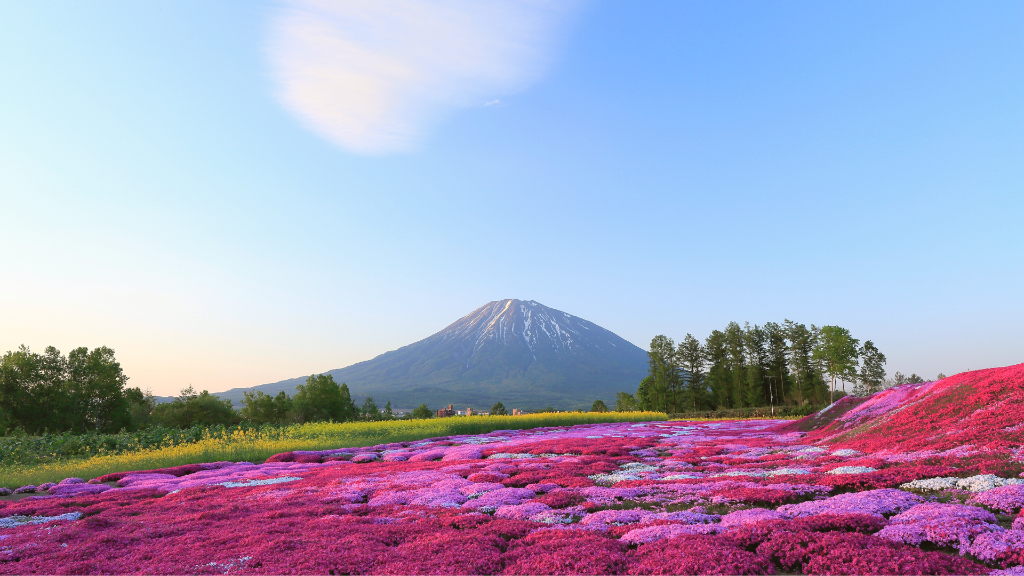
x=373, y=75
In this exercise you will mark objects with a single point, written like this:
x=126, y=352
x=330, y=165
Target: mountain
x=518, y=352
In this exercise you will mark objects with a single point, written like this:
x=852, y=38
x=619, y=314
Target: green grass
x=256, y=445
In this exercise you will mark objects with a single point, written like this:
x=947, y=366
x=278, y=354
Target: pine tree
x=719, y=378
x=872, y=371
x=665, y=373
x=736, y=349
x=691, y=356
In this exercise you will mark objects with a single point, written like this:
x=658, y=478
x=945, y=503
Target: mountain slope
x=521, y=353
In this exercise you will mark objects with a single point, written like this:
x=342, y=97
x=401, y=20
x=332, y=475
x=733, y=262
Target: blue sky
x=234, y=193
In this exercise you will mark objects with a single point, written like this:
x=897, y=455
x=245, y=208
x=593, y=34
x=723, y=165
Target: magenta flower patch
x=730, y=497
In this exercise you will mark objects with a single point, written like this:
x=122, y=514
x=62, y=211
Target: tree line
x=86, y=391
x=775, y=364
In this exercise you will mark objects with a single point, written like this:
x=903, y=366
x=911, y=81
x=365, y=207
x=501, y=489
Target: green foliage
x=20, y=448
x=692, y=358
x=871, y=378
x=422, y=412
x=836, y=351
x=750, y=412
x=773, y=366
x=646, y=394
x=388, y=414
x=599, y=406
x=191, y=409
x=140, y=407
x=369, y=411
x=900, y=379
x=498, y=409
x=83, y=391
x=664, y=388
x=259, y=408
x=322, y=399
x=625, y=402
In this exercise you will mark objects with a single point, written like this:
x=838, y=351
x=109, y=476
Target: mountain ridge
x=518, y=352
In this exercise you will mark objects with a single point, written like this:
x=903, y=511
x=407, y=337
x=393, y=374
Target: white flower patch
x=940, y=483
x=846, y=452
x=227, y=566
x=638, y=467
x=984, y=482
x=785, y=471
x=851, y=470
x=268, y=481
x=979, y=483
x=512, y=456
x=15, y=521
x=614, y=477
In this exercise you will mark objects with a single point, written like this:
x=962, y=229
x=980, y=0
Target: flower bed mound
x=982, y=410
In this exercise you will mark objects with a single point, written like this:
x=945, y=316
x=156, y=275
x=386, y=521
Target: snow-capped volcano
x=514, y=322
x=518, y=352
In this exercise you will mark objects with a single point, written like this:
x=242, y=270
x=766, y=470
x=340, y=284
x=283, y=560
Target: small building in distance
x=517, y=412
x=446, y=412
x=469, y=411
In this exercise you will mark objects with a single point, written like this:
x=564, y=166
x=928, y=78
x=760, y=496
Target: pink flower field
x=921, y=479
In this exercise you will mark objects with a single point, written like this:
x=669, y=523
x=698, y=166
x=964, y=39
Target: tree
x=349, y=410
x=809, y=386
x=599, y=406
x=370, y=410
x=646, y=395
x=498, y=410
x=690, y=354
x=837, y=352
x=625, y=402
x=388, y=414
x=422, y=412
x=662, y=368
x=753, y=343
x=96, y=385
x=777, y=363
x=259, y=408
x=914, y=379
x=719, y=379
x=736, y=349
x=320, y=398
x=872, y=370
x=140, y=407
x=192, y=409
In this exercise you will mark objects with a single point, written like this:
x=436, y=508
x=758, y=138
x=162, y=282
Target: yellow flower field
x=256, y=446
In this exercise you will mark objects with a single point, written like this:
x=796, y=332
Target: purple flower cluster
x=942, y=524
x=882, y=501
x=1006, y=499
x=1004, y=547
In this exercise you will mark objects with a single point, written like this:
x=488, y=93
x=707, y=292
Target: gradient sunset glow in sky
x=235, y=193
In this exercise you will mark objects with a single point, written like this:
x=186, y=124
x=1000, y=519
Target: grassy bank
x=255, y=445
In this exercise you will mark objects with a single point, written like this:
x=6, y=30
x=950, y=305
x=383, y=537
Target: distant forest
x=86, y=392
x=785, y=364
